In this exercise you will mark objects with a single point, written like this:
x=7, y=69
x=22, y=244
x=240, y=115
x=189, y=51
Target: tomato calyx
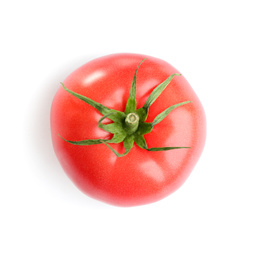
x=128, y=126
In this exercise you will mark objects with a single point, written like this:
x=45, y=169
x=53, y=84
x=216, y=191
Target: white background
x=213, y=215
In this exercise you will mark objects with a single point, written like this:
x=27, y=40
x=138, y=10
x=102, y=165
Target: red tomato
x=141, y=176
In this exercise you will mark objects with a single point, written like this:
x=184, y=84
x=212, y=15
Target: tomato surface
x=141, y=176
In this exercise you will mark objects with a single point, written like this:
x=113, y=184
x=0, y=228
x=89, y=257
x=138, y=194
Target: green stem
x=131, y=122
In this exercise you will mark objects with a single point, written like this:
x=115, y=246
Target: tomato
x=150, y=160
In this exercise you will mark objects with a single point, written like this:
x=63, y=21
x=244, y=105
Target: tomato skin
x=142, y=176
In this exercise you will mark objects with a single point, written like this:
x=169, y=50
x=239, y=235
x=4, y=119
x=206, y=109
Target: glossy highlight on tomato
x=127, y=129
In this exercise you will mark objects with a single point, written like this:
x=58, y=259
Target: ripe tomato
x=140, y=173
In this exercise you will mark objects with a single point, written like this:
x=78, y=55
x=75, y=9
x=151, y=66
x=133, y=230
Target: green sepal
x=117, y=116
x=128, y=144
x=144, y=128
x=157, y=92
x=157, y=149
x=114, y=114
x=132, y=103
x=142, y=113
x=163, y=114
x=116, y=127
x=112, y=128
x=140, y=141
x=117, y=138
x=131, y=106
x=84, y=142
